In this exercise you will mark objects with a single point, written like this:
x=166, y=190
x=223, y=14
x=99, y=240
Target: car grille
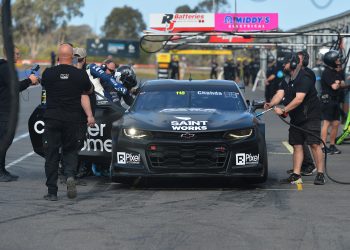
x=179, y=135
x=184, y=156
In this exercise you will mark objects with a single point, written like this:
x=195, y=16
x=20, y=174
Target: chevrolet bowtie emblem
x=187, y=136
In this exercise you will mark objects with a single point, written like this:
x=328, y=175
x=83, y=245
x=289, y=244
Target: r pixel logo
x=121, y=157
x=240, y=159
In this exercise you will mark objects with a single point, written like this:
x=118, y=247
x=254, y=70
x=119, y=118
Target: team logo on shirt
x=64, y=76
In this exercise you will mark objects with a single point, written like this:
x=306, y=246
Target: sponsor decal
x=39, y=127
x=183, y=118
x=209, y=93
x=241, y=22
x=246, y=159
x=188, y=110
x=128, y=158
x=64, y=76
x=188, y=125
x=95, y=142
x=231, y=94
x=183, y=22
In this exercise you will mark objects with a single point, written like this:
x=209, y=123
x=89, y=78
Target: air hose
x=324, y=145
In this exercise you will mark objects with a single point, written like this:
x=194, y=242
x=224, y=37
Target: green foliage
x=208, y=6
x=184, y=9
x=124, y=23
x=34, y=20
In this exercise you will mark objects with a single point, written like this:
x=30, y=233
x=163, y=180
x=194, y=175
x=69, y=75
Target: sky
x=292, y=13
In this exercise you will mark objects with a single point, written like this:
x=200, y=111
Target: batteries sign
x=118, y=48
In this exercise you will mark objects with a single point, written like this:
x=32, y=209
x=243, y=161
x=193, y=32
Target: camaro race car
x=189, y=129
x=174, y=128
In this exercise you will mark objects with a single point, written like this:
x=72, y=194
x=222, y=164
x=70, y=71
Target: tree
x=184, y=9
x=124, y=23
x=75, y=34
x=35, y=20
x=212, y=6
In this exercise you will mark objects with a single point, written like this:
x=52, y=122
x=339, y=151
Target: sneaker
x=290, y=171
x=71, y=188
x=309, y=170
x=293, y=179
x=327, y=150
x=13, y=176
x=50, y=197
x=5, y=176
x=319, y=180
x=334, y=150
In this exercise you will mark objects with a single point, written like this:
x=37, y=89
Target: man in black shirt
x=270, y=87
x=5, y=95
x=301, y=102
x=331, y=84
x=65, y=112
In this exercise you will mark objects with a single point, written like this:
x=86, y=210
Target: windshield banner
x=243, y=22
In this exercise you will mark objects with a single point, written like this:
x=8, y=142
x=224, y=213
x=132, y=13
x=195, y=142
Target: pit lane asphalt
x=174, y=214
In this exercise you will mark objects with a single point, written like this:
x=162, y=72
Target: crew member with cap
x=331, y=84
x=299, y=96
x=64, y=114
x=5, y=96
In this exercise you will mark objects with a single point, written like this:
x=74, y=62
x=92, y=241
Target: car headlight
x=136, y=133
x=238, y=134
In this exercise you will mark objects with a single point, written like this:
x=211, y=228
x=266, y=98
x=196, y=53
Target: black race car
x=189, y=129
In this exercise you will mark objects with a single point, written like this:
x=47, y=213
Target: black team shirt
x=64, y=86
x=309, y=109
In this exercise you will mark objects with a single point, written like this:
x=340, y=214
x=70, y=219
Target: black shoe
x=290, y=171
x=334, y=150
x=319, y=180
x=5, y=176
x=292, y=179
x=71, y=188
x=13, y=176
x=328, y=151
x=50, y=197
x=307, y=171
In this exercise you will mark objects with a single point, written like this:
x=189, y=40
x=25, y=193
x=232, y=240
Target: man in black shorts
x=331, y=84
x=301, y=102
x=65, y=113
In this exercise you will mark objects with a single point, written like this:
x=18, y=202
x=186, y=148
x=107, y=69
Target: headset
x=294, y=61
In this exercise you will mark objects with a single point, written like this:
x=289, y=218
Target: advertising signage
x=117, y=48
x=182, y=22
x=244, y=22
x=206, y=22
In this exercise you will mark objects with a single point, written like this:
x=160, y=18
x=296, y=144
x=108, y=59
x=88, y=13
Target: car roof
x=186, y=84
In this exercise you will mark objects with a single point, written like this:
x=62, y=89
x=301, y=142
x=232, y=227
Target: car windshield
x=219, y=100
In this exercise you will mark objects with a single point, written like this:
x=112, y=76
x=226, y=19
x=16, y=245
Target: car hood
x=188, y=120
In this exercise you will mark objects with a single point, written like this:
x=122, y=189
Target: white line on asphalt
x=288, y=146
x=21, y=137
x=19, y=159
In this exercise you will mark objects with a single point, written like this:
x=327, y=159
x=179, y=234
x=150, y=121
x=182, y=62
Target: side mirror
x=257, y=104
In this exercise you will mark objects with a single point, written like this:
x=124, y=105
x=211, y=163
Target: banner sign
x=243, y=22
x=179, y=22
x=206, y=22
x=118, y=48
